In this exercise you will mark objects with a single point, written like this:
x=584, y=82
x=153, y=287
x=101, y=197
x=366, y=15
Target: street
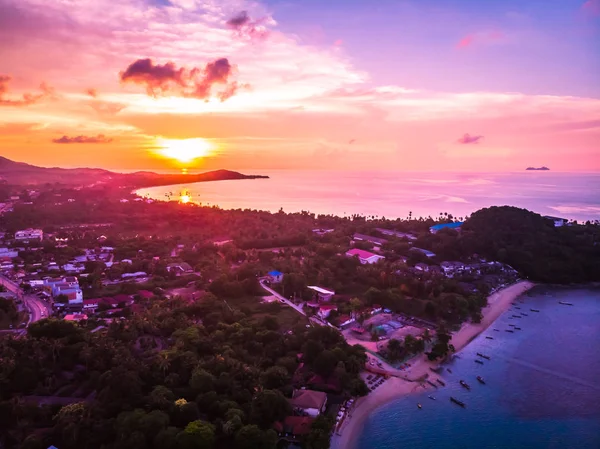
x=37, y=308
x=281, y=298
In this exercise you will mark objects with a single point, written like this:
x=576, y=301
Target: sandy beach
x=396, y=387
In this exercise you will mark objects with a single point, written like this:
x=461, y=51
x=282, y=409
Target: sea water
x=542, y=385
x=398, y=194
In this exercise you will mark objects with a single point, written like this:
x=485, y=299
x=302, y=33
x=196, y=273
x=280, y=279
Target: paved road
x=282, y=299
x=37, y=308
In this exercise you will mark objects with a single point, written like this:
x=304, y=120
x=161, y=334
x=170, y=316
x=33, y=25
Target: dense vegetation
x=532, y=245
x=180, y=375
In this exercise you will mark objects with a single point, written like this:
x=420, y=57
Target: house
x=325, y=310
x=345, y=320
x=29, y=234
x=8, y=253
x=275, y=276
x=422, y=267
x=322, y=293
x=321, y=232
x=450, y=268
x=558, y=222
x=294, y=426
x=309, y=402
x=180, y=268
x=74, y=295
x=401, y=235
x=73, y=268
x=367, y=238
x=423, y=251
x=76, y=317
x=365, y=257
x=438, y=227
x=91, y=304
x=137, y=274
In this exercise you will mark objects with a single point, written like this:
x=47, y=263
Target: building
x=365, y=257
x=438, y=227
x=137, y=274
x=76, y=317
x=451, y=268
x=91, y=304
x=345, y=320
x=180, y=268
x=367, y=238
x=401, y=235
x=322, y=293
x=309, y=402
x=423, y=251
x=8, y=253
x=325, y=310
x=275, y=276
x=558, y=222
x=321, y=232
x=29, y=234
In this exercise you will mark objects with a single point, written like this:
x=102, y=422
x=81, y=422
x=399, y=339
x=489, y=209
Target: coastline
x=396, y=387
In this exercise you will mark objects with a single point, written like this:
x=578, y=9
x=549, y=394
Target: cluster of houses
x=306, y=405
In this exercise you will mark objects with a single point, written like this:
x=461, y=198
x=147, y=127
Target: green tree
x=197, y=435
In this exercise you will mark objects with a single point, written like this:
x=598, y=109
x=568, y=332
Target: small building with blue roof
x=438, y=227
x=275, y=276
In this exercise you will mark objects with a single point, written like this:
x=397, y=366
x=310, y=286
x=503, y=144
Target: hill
x=19, y=173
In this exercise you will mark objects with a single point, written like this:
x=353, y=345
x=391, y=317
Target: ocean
x=397, y=194
x=542, y=385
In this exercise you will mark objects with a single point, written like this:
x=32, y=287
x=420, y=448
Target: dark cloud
x=167, y=79
x=239, y=20
x=246, y=27
x=467, y=139
x=100, y=138
x=27, y=98
x=157, y=78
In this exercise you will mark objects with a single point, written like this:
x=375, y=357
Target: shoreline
x=395, y=387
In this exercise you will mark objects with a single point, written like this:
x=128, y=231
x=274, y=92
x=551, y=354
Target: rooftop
x=454, y=225
x=360, y=253
x=323, y=291
x=308, y=399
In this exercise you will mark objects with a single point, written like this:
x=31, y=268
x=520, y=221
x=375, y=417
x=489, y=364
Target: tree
x=252, y=437
x=269, y=406
x=202, y=381
x=197, y=435
x=275, y=377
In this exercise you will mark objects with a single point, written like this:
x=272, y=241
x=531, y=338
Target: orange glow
x=184, y=150
x=185, y=198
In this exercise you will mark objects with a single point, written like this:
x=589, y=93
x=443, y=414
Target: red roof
x=87, y=302
x=145, y=294
x=343, y=318
x=328, y=307
x=296, y=425
x=360, y=253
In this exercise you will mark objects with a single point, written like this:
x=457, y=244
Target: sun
x=184, y=150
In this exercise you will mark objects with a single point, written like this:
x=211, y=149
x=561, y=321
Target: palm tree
x=164, y=361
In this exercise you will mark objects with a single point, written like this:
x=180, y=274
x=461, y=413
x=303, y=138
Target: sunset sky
x=460, y=85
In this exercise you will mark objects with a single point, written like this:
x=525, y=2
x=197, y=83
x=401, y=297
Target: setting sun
x=184, y=150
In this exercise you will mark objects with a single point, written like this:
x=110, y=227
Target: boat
x=432, y=384
x=479, y=361
x=517, y=308
x=518, y=328
x=524, y=314
x=490, y=338
x=481, y=380
x=484, y=356
x=512, y=325
x=457, y=402
x=419, y=405
x=564, y=303
x=511, y=331
x=441, y=382
x=436, y=370
x=534, y=310
x=431, y=397
x=449, y=370
x=516, y=316
x=465, y=385
x=497, y=330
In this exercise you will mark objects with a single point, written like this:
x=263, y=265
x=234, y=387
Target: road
x=297, y=308
x=36, y=307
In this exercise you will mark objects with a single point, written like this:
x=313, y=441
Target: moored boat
x=481, y=380
x=465, y=385
x=419, y=405
x=449, y=370
x=441, y=382
x=479, y=361
x=534, y=310
x=432, y=384
x=508, y=330
x=431, y=397
x=490, y=338
x=564, y=303
x=457, y=402
x=524, y=314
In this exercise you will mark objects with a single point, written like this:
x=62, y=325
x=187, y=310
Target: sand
x=396, y=387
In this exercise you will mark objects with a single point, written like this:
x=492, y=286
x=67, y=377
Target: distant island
x=537, y=168
x=19, y=173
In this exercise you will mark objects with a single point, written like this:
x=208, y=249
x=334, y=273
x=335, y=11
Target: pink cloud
x=591, y=7
x=27, y=98
x=468, y=139
x=246, y=27
x=466, y=41
x=480, y=38
x=100, y=138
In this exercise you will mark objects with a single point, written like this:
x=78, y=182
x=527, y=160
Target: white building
x=365, y=257
x=322, y=293
x=558, y=222
x=29, y=234
x=8, y=252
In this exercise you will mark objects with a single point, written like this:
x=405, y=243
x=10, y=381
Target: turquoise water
x=542, y=385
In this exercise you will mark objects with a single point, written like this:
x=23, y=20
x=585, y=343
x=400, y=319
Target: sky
x=452, y=85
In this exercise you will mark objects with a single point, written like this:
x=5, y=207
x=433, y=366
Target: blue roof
x=455, y=225
x=275, y=273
